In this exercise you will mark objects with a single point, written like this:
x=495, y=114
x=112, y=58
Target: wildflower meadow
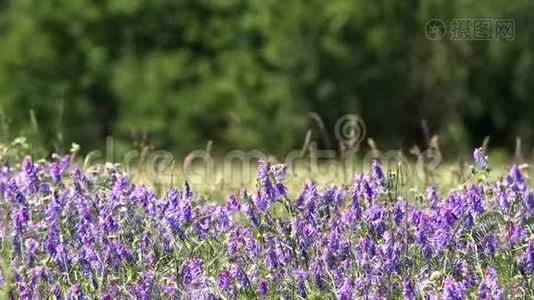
x=73, y=233
x=281, y=150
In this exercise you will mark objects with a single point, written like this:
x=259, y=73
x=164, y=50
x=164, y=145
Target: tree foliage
x=246, y=73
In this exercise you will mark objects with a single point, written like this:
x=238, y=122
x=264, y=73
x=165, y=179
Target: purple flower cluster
x=67, y=233
x=480, y=158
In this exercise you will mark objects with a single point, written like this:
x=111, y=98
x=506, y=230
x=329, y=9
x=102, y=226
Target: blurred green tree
x=246, y=73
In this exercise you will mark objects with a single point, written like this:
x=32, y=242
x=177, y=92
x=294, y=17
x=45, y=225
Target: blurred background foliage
x=246, y=74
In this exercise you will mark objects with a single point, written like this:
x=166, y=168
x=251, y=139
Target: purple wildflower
x=271, y=259
x=250, y=212
x=354, y=201
x=526, y=259
x=196, y=271
x=349, y=217
x=451, y=290
x=375, y=218
x=441, y=239
x=75, y=292
x=345, y=290
x=187, y=194
x=476, y=198
x=489, y=288
x=378, y=174
x=432, y=197
x=398, y=211
x=368, y=191
x=515, y=175
x=488, y=244
x=515, y=233
x=279, y=172
x=300, y=277
x=264, y=172
x=262, y=287
x=528, y=203
x=316, y=271
x=480, y=158
x=252, y=247
x=55, y=172
x=259, y=201
x=232, y=203
x=239, y=275
x=224, y=281
x=56, y=291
